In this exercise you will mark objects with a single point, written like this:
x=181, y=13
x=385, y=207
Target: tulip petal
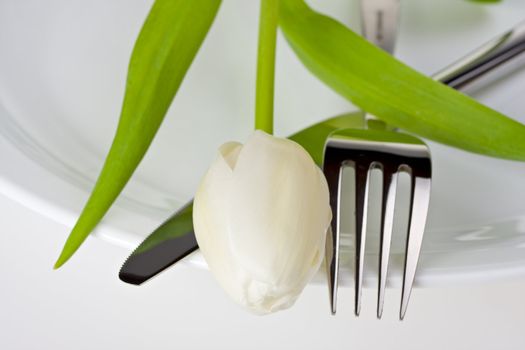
x=281, y=207
x=210, y=218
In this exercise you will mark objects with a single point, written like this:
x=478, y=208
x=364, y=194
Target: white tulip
x=260, y=216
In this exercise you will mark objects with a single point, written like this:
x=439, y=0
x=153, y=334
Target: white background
x=85, y=306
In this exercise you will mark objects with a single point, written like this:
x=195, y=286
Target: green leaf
x=486, y=1
x=166, y=46
x=394, y=92
x=314, y=137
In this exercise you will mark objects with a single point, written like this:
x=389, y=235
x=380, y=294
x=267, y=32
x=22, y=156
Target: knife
x=175, y=239
x=169, y=243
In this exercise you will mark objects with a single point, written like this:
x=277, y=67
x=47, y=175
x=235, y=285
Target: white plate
x=62, y=73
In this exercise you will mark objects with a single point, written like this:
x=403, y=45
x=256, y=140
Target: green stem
x=266, y=65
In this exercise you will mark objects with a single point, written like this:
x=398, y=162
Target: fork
x=391, y=152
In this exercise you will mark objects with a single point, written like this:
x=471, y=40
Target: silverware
x=365, y=152
x=379, y=22
x=495, y=56
x=391, y=153
x=501, y=55
x=169, y=243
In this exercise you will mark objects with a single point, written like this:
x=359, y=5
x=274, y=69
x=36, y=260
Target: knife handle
x=495, y=53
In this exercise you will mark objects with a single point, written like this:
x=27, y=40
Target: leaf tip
x=67, y=252
x=60, y=261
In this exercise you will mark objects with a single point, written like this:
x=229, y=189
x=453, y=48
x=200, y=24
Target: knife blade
x=168, y=244
x=175, y=239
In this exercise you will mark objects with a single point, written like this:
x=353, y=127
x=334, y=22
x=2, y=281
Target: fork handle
x=379, y=22
x=493, y=54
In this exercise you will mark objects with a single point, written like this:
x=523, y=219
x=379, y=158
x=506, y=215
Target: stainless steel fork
x=366, y=150
x=391, y=152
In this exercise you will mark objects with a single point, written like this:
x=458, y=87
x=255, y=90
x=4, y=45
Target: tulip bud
x=260, y=216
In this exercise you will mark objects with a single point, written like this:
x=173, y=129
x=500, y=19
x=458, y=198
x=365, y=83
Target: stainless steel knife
x=169, y=243
x=174, y=239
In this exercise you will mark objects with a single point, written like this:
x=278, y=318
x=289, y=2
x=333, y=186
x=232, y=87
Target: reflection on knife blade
x=169, y=243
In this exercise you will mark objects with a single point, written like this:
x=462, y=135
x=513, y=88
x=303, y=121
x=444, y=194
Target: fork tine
x=332, y=270
x=362, y=172
x=419, y=202
x=333, y=171
x=393, y=152
x=387, y=223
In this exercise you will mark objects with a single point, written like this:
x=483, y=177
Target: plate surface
x=62, y=74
